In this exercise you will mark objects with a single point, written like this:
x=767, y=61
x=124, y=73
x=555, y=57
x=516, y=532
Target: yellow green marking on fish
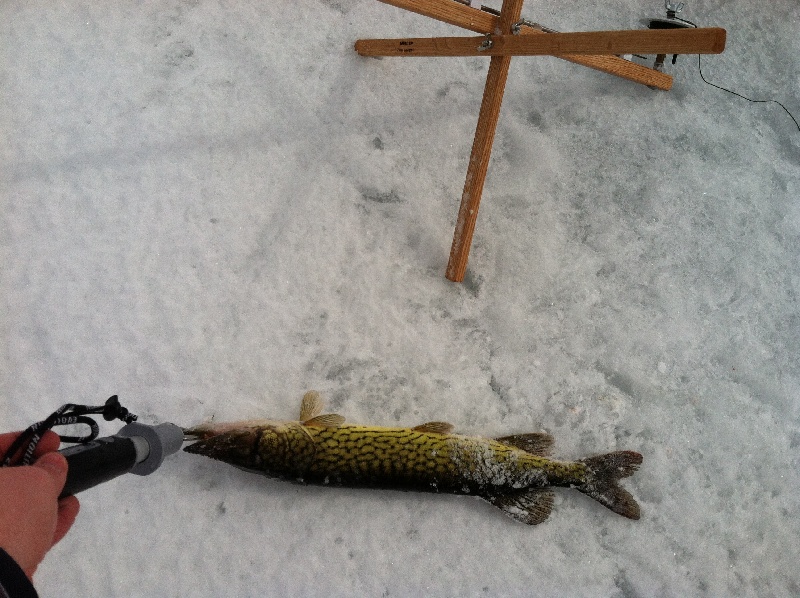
x=513, y=473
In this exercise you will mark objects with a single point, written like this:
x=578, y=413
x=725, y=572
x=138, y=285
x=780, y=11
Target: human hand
x=32, y=519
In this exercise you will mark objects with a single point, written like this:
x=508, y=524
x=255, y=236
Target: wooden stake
x=709, y=40
x=501, y=45
x=481, y=147
x=479, y=21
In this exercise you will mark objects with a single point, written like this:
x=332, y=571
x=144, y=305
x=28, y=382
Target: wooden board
x=710, y=40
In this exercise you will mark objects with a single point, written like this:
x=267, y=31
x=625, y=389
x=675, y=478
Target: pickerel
x=513, y=473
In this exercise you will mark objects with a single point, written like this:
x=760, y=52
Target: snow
x=209, y=208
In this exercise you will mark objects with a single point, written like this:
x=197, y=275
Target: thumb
x=55, y=464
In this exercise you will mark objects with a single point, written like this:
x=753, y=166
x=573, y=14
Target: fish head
x=266, y=446
x=235, y=443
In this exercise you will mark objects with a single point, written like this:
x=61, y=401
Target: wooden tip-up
x=708, y=40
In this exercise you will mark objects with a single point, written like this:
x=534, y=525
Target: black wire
x=746, y=98
x=728, y=90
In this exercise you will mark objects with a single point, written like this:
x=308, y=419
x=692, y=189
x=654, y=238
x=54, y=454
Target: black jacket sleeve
x=13, y=581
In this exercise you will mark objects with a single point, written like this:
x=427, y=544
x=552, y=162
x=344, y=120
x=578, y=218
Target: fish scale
x=401, y=458
x=513, y=472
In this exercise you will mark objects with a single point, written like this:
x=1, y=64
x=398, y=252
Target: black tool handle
x=97, y=462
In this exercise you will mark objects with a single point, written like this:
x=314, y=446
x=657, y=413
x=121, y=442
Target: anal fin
x=531, y=506
x=535, y=443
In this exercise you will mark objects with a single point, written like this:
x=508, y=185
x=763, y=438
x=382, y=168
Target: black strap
x=13, y=581
x=68, y=414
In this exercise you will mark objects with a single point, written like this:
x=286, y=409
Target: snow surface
x=211, y=207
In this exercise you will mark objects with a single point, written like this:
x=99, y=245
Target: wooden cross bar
x=480, y=21
x=507, y=36
x=709, y=40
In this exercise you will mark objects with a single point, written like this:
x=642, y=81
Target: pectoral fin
x=434, y=428
x=311, y=406
x=329, y=420
x=530, y=506
x=536, y=443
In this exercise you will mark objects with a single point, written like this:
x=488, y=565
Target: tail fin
x=601, y=481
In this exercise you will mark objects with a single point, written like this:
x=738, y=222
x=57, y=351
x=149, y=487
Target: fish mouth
x=236, y=447
x=210, y=429
x=197, y=446
x=194, y=434
x=201, y=432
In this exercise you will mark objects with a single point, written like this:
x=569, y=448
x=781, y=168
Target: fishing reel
x=672, y=21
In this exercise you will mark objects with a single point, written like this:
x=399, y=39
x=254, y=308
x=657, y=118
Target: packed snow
x=209, y=208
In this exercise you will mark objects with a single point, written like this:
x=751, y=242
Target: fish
x=514, y=473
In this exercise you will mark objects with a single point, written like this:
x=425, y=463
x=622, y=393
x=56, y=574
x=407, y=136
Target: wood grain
x=473, y=19
x=710, y=40
x=481, y=149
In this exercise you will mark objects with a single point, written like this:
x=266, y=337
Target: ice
x=209, y=208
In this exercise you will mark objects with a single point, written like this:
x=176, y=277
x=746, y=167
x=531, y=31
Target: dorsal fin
x=311, y=406
x=329, y=420
x=531, y=506
x=535, y=443
x=434, y=428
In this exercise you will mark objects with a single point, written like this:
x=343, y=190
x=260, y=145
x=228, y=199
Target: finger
x=67, y=512
x=6, y=440
x=50, y=442
x=55, y=464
